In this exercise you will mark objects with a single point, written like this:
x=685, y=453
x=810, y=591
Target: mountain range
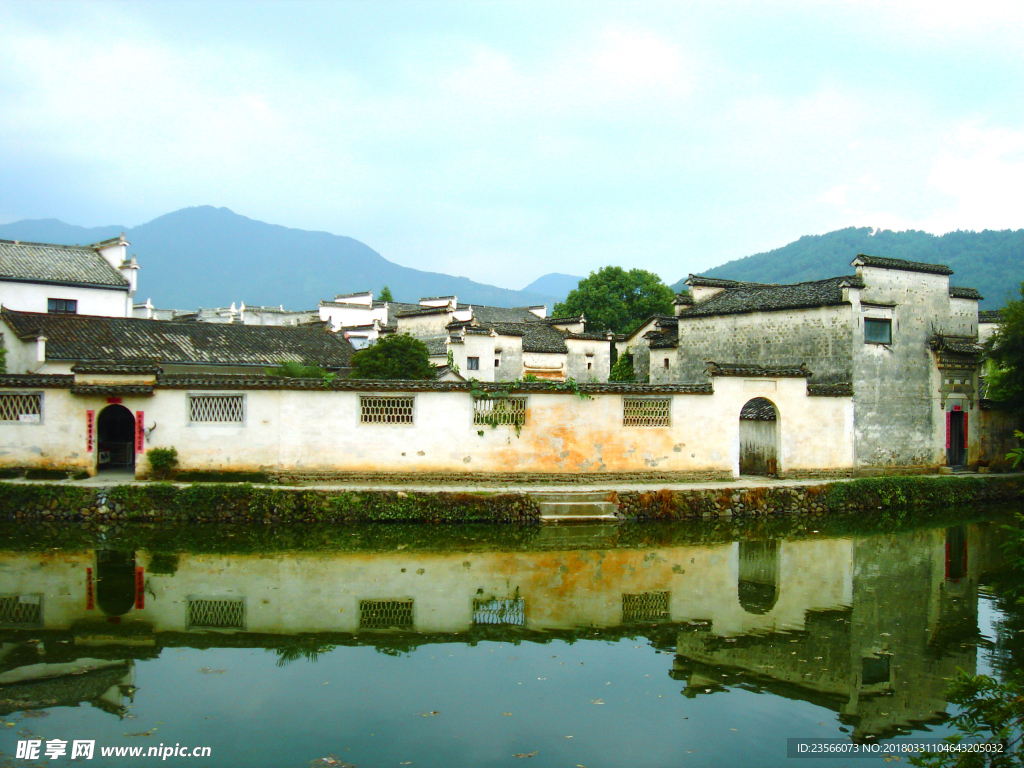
x=210, y=257
x=991, y=261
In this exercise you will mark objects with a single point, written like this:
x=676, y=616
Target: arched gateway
x=759, y=454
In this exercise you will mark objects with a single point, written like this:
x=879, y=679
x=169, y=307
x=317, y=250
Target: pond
x=648, y=645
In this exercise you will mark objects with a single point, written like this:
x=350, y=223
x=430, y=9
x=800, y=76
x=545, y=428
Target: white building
x=97, y=279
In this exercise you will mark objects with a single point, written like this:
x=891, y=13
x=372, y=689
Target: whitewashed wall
x=321, y=430
x=32, y=297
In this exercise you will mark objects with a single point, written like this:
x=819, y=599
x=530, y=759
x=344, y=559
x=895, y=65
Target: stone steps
x=575, y=507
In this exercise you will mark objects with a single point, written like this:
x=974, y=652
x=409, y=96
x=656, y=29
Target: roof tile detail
x=956, y=292
x=74, y=264
x=741, y=369
x=130, y=340
x=907, y=266
x=770, y=298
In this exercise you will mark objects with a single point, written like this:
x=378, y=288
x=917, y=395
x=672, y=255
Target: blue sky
x=503, y=140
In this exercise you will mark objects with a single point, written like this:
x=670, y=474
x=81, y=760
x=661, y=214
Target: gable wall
x=820, y=337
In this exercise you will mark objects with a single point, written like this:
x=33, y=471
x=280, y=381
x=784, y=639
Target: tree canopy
x=1005, y=350
x=385, y=294
x=616, y=299
x=396, y=356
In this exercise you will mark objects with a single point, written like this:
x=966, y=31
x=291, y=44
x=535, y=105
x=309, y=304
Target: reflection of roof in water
x=64, y=691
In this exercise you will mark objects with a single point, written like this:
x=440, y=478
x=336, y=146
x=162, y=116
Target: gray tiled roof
x=70, y=264
x=112, y=389
x=423, y=311
x=770, y=298
x=715, y=282
x=129, y=340
x=964, y=293
x=990, y=316
x=36, y=380
x=124, y=368
x=829, y=390
x=906, y=266
x=537, y=337
x=502, y=314
x=750, y=370
x=683, y=298
x=437, y=346
x=958, y=345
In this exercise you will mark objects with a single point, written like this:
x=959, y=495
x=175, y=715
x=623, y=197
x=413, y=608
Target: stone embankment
x=257, y=504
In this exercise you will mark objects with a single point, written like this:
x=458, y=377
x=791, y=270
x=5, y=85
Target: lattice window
x=216, y=409
x=646, y=411
x=511, y=612
x=223, y=613
x=22, y=408
x=647, y=606
x=498, y=411
x=385, y=410
x=21, y=610
x=385, y=614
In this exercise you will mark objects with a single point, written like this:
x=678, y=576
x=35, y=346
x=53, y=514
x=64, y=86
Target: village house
x=245, y=314
x=894, y=337
x=480, y=342
x=97, y=279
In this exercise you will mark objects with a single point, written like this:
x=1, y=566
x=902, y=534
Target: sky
x=505, y=140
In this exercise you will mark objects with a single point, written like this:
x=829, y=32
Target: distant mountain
x=209, y=257
x=991, y=261
x=554, y=284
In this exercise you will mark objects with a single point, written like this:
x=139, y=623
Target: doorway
x=956, y=437
x=759, y=438
x=115, y=438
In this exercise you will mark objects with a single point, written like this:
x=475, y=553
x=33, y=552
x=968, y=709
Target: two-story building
x=97, y=279
x=895, y=337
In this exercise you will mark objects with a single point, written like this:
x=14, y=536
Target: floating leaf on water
x=507, y=714
x=525, y=754
x=332, y=761
x=430, y=714
x=208, y=671
x=150, y=732
x=596, y=701
x=35, y=713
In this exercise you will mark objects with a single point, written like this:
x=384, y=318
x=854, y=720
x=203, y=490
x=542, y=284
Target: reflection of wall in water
x=883, y=662
x=302, y=593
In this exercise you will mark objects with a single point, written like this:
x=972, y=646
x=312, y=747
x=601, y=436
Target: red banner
x=965, y=429
x=948, y=419
x=89, y=604
x=90, y=430
x=140, y=588
x=140, y=431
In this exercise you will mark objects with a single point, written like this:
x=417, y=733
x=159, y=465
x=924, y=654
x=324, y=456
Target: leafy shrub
x=162, y=460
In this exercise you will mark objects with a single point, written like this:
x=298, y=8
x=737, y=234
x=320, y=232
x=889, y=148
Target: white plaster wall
x=314, y=430
x=813, y=432
x=352, y=315
x=584, y=352
x=32, y=297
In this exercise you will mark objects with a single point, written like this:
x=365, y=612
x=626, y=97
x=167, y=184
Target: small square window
x=666, y=363
x=497, y=362
x=62, y=306
x=472, y=363
x=877, y=331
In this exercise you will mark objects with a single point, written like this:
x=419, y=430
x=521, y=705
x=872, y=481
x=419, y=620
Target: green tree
x=396, y=356
x=294, y=370
x=1005, y=352
x=385, y=294
x=623, y=369
x=616, y=299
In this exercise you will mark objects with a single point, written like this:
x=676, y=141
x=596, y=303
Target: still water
x=653, y=645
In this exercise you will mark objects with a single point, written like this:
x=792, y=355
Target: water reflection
x=869, y=627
